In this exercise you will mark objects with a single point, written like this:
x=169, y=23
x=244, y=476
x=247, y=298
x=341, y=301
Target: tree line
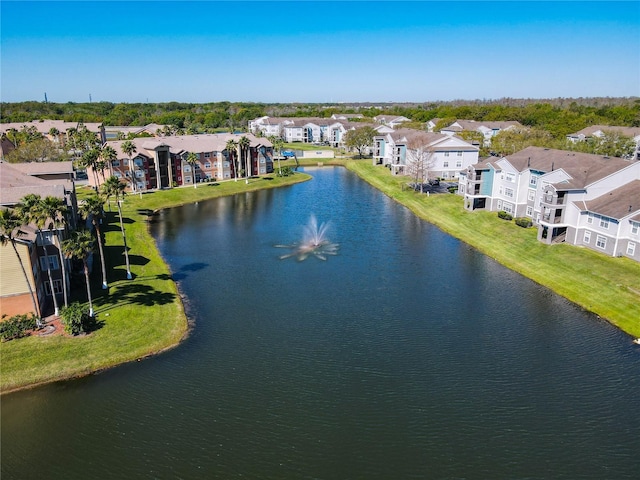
x=559, y=117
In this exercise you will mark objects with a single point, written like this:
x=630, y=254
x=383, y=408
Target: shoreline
x=151, y=279
x=576, y=271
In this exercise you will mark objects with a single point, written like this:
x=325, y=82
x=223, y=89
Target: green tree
x=108, y=155
x=360, y=138
x=113, y=187
x=129, y=148
x=29, y=209
x=56, y=211
x=614, y=144
x=90, y=160
x=80, y=246
x=244, y=145
x=277, y=143
x=93, y=207
x=230, y=147
x=192, y=159
x=10, y=231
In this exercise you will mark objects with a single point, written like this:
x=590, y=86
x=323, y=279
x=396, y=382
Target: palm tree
x=55, y=210
x=90, y=159
x=80, y=245
x=113, y=187
x=108, y=155
x=10, y=223
x=55, y=134
x=94, y=207
x=129, y=148
x=231, y=151
x=192, y=159
x=244, y=145
x=30, y=210
x=277, y=145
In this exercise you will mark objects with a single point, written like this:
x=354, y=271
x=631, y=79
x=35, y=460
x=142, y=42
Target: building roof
x=583, y=168
x=589, y=131
x=208, y=142
x=618, y=203
x=44, y=168
x=43, y=126
x=14, y=185
x=473, y=125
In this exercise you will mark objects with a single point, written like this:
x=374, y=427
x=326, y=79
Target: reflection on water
x=408, y=355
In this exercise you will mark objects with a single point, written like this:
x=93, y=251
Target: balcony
x=548, y=218
x=552, y=200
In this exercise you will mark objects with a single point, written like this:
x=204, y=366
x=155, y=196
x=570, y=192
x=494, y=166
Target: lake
x=407, y=355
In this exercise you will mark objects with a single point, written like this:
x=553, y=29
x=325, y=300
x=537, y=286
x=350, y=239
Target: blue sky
x=306, y=51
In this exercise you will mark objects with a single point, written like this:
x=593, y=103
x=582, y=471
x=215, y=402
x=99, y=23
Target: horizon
x=279, y=52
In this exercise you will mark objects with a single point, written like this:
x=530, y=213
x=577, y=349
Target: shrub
x=17, y=326
x=75, y=318
x=285, y=171
x=524, y=222
x=504, y=215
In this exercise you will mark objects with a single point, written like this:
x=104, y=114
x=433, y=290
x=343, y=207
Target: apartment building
x=162, y=162
x=447, y=155
x=578, y=198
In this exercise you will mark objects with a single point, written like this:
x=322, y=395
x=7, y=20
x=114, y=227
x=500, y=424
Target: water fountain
x=314, y=243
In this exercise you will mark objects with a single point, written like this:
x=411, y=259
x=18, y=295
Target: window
x=529, y=211
x=226, y=164
x=459, y=154
x=207, y=165
x=510, y=177
x=139, y=174
x=589, y=219
x=631, y=248
x=115, y=163
x=117, y=174
x=508, y=192
x=604, y=222
x=601, y=242
x=138, y=162
x=508, y=207
x=125, y=162
x=532, y=194
x=207, y=155
x=458, y=163
x=53, y=262
x=634, y=228
x=533, y=181
x=186, y=168
x=446, y=154
x=445, y=164
x=57, y=287
x=587, y=236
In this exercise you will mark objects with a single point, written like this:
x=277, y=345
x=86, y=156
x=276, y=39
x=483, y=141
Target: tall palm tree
x=80, y=245
x=10, y=223
x=113, y=187
x=244, y=144
x=90, y=159
x=129, y=148
x=231, y=151
x=56, y=212
x=277, y=145
x=94, y=207
x=108, y=155
x=30, y=210
x=192, y=159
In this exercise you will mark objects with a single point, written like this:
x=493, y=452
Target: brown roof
x=44, y=168
x=43, y=126
x=584, y=168
x=208, y=142
x=589, y=131
x=14, y=185
x=619, y=203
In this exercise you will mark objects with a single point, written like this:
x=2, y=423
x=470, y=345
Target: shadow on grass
x=134, y=294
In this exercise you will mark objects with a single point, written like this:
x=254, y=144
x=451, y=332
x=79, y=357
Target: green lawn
x=609, y=287
x=138, y=317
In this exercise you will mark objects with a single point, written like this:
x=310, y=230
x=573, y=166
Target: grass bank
x=606, y=286
x=138, y=317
